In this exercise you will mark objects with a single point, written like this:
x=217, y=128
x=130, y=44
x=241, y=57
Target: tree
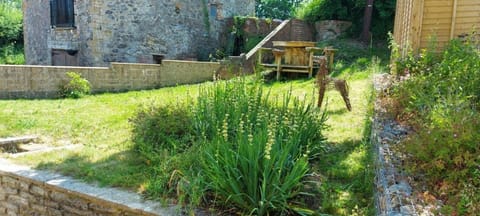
x=367, y=20
x=11, y=22
x=278, y=9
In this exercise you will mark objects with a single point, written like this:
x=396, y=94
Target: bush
x=441, y=101
x=76, y=87
x=166, y=127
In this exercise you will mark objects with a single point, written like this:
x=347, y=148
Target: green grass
x=100, y=124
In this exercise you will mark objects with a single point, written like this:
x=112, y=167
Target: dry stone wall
x=24, y=191
x=20, y=196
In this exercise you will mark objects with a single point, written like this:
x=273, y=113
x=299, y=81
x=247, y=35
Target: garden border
x=25, y=191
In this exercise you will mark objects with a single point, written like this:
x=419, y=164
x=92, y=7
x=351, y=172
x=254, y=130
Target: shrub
x=166, y=127
x=76, y=87
x=441, y=101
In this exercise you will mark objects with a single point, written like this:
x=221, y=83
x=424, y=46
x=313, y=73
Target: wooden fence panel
x=417, y=21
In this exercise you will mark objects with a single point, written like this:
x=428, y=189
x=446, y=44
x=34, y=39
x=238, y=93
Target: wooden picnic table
x=295, y=52
x=296, y=57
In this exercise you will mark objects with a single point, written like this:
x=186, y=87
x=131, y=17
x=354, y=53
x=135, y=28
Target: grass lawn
x=100, y=123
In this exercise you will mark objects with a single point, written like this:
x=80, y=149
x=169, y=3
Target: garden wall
x=28, y=192
x=28, y=81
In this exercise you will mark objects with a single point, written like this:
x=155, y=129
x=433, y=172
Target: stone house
x=97, y=32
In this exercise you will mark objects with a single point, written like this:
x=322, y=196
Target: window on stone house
x=61, y=12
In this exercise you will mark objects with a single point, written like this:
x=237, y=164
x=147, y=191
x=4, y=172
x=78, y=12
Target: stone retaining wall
x=28, y=81
x=29, y=192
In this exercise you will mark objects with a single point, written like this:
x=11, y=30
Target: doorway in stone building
x=64, y=57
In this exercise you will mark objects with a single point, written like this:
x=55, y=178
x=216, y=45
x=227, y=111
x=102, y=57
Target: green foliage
x=12, y=54
x=351, y=10
x=277, y=9
x=256, y=151
x=239, y=41
x=441, y=99
x=253, y=152
x=252, y=41
x=76, y=87
x=11, y=23
x=166, y=127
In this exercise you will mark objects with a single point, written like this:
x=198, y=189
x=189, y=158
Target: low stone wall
x=28, y=192
x=28, y=81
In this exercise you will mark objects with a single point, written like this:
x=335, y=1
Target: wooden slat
x=454, y=18
x=294, y=70
x=436, y=21
x=469, y=7
x=417, y=24
x=474, y=14
x=430, y=3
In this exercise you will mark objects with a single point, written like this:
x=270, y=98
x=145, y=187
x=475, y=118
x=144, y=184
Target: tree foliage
x=351, y=10
x=278, y=9
x=11, y=22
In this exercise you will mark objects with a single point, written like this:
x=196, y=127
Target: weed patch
x=440, y=98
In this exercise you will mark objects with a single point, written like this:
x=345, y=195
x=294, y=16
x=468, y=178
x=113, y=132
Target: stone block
x=39, y=209
x=11, y=213
x=69, y=210
x=58, y=197
x=80, y=204
x=3, y=196
x=53, y=212
x=102, y=208
x=38, y=191
x=24, y=186
x=3, y=210
x=9, y=181
x=11, y=208
x=18, y=200
x=51, y=204
x=31, y=198
x=9, y=190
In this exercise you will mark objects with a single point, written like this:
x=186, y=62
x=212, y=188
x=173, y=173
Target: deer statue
x=323, y=80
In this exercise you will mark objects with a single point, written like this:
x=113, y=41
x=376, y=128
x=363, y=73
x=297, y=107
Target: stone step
x=17, y=140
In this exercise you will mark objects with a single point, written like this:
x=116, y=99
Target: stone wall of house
x=37, y=24
x=27, y=81
x=130, y=31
